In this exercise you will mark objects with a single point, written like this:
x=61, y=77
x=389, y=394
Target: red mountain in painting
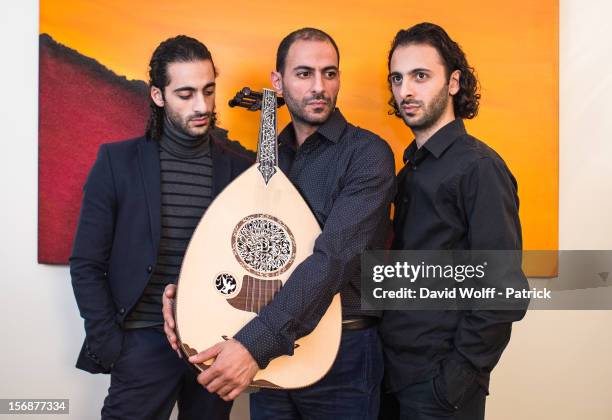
x=81, y=105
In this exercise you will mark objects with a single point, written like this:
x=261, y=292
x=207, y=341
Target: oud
x=245, y=247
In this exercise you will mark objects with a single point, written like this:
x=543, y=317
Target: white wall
x=558, y=363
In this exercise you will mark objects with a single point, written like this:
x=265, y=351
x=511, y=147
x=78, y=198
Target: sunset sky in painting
x=512, y=45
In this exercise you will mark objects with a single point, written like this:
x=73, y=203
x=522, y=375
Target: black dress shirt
x=347, y=177
x=454, y=193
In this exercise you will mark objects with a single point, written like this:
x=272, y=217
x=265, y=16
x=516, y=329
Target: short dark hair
x=305, y=34
x=467, y=99
x=180, y=49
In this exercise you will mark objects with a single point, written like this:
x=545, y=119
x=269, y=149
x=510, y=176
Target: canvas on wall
x=93, y=73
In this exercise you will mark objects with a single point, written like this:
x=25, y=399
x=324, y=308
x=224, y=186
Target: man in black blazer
x=142, y=201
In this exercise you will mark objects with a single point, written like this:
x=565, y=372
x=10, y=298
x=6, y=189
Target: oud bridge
x=254, y=294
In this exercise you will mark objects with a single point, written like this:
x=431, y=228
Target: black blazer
x=118, y=234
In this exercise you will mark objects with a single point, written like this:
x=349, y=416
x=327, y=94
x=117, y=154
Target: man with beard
x=454, y=193
x=346, y=175
x=142, y=201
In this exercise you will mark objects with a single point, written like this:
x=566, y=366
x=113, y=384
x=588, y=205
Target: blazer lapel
x=148, y=156
x=221, y=166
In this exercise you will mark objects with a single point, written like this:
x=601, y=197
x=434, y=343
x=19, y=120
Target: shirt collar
x=410, y=151
x=440, y=141
x=331, y=129
x=444, y=137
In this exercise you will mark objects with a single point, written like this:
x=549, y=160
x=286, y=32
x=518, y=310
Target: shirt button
x=149, y=269
x=122, y=311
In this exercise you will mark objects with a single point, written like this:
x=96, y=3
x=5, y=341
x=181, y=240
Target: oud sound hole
x=225, y=283
x=263, y=245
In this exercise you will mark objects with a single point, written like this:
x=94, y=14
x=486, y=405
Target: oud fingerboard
x=267, y=147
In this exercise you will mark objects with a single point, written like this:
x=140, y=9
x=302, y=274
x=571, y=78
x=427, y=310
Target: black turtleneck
x=186, y=193
x=182, y=145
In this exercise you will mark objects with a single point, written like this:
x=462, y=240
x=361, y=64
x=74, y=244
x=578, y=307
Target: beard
x=432, y=111
x=182, y=124
x=297, y=108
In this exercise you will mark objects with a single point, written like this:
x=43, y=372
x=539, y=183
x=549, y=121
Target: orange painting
x=512, y=45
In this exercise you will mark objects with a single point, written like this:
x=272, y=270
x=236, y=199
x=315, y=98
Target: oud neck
x=267, y=146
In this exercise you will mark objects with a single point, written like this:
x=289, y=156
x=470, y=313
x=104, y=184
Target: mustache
x=198, y=115
x=411, y=102
x=318, y=97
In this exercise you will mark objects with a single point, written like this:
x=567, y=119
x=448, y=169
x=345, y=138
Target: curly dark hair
x=467, y=99
x=180, y=49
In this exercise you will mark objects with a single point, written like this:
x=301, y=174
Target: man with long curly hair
x=142, y=201
x=454, y=193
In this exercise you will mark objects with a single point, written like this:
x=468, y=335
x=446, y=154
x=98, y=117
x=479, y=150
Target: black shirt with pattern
x=347, y=177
